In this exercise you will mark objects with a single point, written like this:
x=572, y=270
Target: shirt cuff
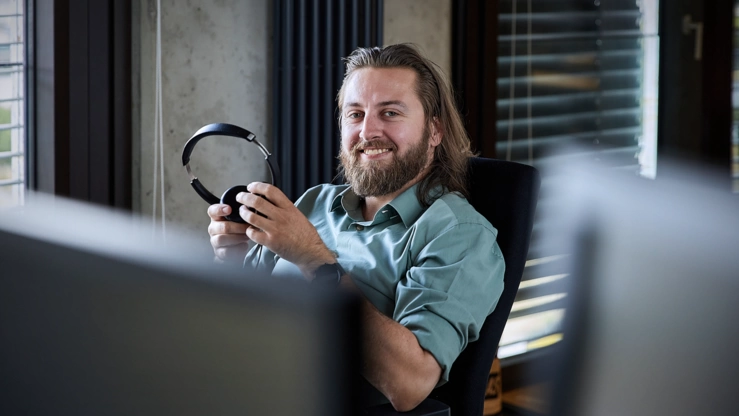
x=434, y=334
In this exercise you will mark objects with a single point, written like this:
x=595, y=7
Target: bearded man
x=400, y=232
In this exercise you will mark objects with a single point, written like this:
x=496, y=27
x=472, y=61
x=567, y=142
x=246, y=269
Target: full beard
x=377, y=178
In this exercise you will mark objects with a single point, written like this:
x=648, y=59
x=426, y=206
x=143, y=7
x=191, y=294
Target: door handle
x=689, y=26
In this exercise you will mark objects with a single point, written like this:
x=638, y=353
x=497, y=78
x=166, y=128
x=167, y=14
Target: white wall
x=216, y=59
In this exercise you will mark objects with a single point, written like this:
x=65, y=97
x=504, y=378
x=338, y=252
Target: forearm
x=394, y=361
x=320, y=255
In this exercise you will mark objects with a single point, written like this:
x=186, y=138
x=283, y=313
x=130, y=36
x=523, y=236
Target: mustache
x=372, y=143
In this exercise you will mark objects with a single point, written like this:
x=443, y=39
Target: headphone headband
x=223, y=129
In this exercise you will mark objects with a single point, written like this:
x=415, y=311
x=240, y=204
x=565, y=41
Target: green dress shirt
x=437, y=271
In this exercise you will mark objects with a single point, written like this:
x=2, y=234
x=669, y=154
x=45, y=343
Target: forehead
x=373, y=85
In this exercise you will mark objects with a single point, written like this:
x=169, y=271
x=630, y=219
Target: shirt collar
x=349, y=202
x=406, y=205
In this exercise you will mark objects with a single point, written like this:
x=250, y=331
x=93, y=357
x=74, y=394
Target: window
x=12, y=135
x=577, y=80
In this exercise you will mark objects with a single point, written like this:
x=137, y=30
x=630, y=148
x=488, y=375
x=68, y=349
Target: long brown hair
x=449, y=166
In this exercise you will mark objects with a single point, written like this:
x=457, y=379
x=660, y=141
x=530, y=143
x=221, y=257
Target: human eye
x=354, y=115
x=390, y=113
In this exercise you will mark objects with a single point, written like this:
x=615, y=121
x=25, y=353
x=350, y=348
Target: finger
x=256, y=202
x=226, y=227
x=271, y=192
x=257, y=235
x=254, y=219
x=226, y=240
x=218, y=211
x=232, y=253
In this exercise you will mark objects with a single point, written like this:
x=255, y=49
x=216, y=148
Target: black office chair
x=506, y=194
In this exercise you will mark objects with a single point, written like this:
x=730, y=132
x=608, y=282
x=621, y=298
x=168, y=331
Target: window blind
x=576, y=81
x=12, y=137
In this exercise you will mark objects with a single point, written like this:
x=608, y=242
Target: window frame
x=79, y=123
x=13, y=157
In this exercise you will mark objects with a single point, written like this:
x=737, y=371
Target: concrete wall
x=427, y=23
x=215, y=68
x=216, y=60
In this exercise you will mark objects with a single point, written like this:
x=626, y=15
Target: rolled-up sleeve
x=454, y=283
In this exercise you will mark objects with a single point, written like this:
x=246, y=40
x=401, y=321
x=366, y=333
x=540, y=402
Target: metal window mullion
x=571, y=116
x=555, y=57
x=11, y=68
x=10, y=126
x=579, y=135
x=567, y=16
x=609, y=34
x=10, y=155
x=8, y=182
x=584, y=74
x=557, y=98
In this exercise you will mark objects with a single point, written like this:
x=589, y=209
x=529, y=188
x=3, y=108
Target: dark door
x=696, y=82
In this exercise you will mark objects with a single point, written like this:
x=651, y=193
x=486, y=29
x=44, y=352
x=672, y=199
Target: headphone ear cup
x=229, y=198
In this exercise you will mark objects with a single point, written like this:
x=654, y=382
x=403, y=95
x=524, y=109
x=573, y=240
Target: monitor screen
x=649, y=327
x=99, y=317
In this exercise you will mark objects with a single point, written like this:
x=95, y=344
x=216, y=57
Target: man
x=401, y=231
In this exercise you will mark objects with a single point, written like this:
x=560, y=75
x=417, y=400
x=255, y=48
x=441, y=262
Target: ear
x=436, y=132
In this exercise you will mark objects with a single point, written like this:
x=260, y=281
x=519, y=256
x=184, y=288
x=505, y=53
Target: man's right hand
x=229, y=240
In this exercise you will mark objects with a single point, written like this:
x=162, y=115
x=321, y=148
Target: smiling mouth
x=372, y=152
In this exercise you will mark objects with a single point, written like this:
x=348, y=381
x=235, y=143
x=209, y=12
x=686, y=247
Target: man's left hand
x=282, y=228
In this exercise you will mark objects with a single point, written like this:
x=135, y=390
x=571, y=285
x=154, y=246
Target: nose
x=371, y=127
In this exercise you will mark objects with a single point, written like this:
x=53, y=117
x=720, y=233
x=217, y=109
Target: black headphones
x=229, y=197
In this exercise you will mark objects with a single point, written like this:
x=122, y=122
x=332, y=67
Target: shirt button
x=360, y=228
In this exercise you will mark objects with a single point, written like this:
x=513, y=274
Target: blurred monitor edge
x=649, y=328
x=97, y=316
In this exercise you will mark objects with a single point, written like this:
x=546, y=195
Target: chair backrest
x=506, y=194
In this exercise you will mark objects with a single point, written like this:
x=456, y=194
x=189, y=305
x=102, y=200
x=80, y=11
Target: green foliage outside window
x=4, y=144
x=4, y=134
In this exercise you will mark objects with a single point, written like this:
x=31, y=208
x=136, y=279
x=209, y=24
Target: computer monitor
x=650, y=327
x=99, y=317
